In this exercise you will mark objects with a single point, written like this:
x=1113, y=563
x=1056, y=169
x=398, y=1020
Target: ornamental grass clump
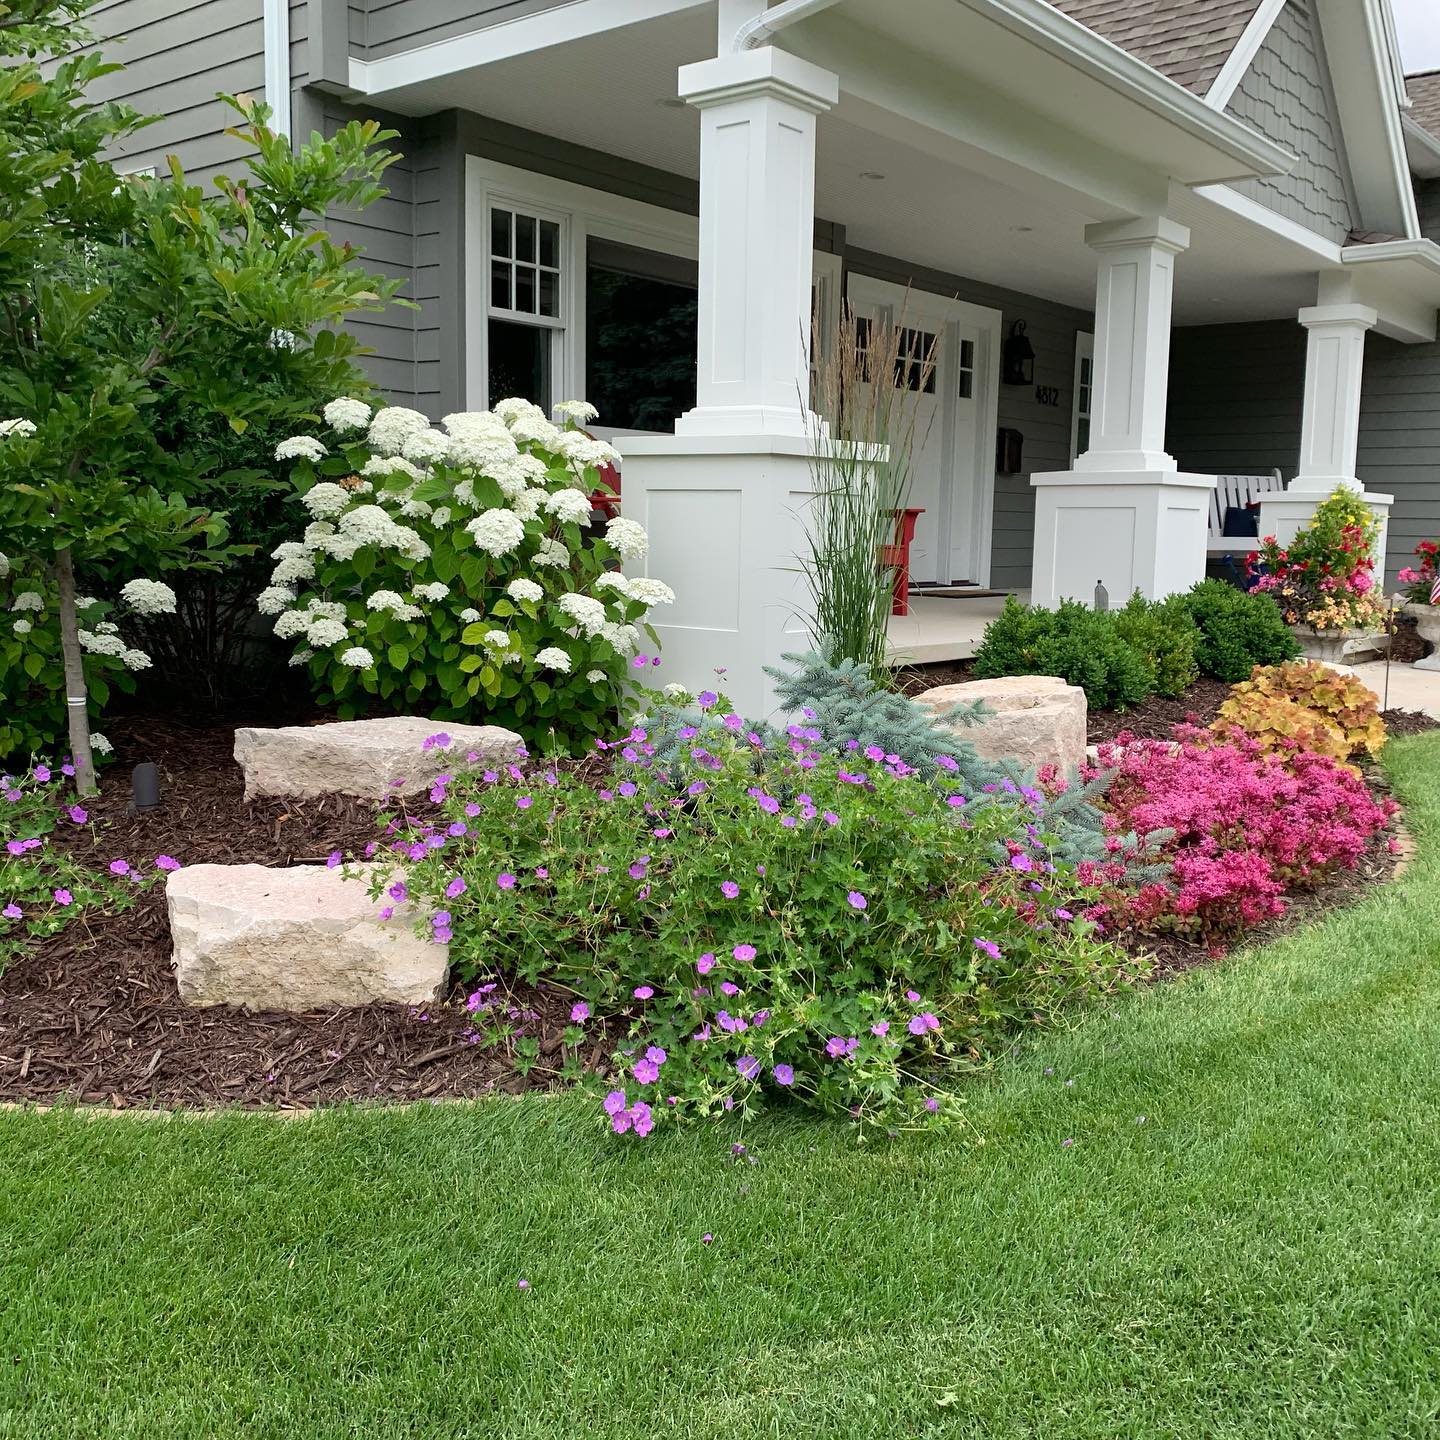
x=1246, y=827
x=771, y=921
x=456, y=571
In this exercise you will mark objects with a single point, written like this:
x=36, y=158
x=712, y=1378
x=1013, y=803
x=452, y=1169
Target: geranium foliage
x=766, y=921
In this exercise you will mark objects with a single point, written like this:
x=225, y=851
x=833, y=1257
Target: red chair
x=897, y=557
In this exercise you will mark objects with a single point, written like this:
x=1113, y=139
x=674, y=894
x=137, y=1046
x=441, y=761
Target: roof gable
x=1188, y=40
x=1424, y=91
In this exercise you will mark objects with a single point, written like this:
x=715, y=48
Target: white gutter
x=277, y=64
x=1042, y=25
x=763, y=27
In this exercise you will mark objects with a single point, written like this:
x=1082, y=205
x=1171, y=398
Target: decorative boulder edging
x=1036, y=719
x=303, y=937
x=369, y=758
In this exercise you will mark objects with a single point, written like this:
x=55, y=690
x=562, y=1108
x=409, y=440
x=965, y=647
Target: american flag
x=1435, y=590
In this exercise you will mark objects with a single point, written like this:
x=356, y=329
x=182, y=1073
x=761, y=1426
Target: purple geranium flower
x=744, y=953
x=119, y=867
x=919, y=1024
x=748, y=1066
x=63, y=896
x=706, y=963
x=643, y=992
x=784, y=1075
x=505, y=880
x=729, y=889
x=857, y=900
x=579, y=1013
x=166, y=862
x=615, y=1102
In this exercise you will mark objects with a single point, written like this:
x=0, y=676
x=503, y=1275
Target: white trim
x=505, y=40
x=1232, y=72
x=1084, y=350
x=865, y=290
x=1257, y=214
x=1042, y=24
x=277, y=64
x=1421, y=148
x=584, y=212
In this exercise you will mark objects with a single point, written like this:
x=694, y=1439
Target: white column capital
x=1347, y=317
x=767, y=71
x=1157, y=231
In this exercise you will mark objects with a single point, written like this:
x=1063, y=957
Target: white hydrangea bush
x=32, y=684
x=455, y=570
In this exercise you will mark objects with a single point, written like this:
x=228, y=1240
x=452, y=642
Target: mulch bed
x=93, y=1015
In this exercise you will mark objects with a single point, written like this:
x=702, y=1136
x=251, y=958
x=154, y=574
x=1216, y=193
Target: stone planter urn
x=1427, y=622
x=1332, y=647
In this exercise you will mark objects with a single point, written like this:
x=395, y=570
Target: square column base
x=726, y=516
x=1284, y=513
x=1128, y=530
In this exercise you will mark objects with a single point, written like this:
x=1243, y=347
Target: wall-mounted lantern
x=1019, y=357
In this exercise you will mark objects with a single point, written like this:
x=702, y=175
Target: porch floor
x=938, y=628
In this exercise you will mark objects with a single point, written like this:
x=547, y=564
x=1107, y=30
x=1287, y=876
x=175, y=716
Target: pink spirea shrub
x=1246, y=826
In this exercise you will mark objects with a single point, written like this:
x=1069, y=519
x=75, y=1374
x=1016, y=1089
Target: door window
x=1084, y=391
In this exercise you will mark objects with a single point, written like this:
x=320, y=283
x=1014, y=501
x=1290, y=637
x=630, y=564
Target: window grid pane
x=525, y=268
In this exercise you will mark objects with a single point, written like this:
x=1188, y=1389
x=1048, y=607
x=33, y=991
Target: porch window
x=966, y=384
x=526, y=325
x=1084, y=388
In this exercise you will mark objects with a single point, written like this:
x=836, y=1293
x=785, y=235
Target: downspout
x=763, y=27
x=277, y=64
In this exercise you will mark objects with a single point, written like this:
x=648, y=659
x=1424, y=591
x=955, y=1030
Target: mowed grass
x=1243, y=1240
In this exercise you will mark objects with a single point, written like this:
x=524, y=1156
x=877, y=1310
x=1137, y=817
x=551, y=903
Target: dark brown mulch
x=93, y=1015
x=1406, y=646
x=1157, y=717
x=912, y=679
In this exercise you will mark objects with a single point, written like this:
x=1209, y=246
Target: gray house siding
x=176, y=61
x=1286, y=95
x=1052, y=329
x=383, y=27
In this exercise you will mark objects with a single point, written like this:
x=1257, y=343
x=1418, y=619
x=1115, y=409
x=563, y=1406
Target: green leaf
x=398, y=656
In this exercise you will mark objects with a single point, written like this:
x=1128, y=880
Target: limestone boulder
x=298, y=938
x=369, y=758
x=1035, y=720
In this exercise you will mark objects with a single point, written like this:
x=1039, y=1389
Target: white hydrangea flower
x=391, y=465
x=339, y=547
x=586, y=611
x=427, y=447
x=302, y=657
x=581, y=411
x=522, y=589
x=275, y=598
x=148, y=597
x=85, y=602
x=407, y=611
x=649, y=591
x=291, y=624
x=325, y=499
x=135, y=660
x=497, y=639
x=628, y=538
x=28, y=600
x=552, y=657
x=357, y=657
x=393, y=426
x=384, y=600
x=569, y=506
x=346, y=414
x=595, y=677
x=300, y=567
x=17, y=427
x=512, y=409
x=613, y=580
x=322, y=634
x=300, y=447
x=675, y=692
x=582, y=449
x=497, y=532
x=536, y=430
x=23, y=627
x=411, y=546
x=552, y=552
x=474, y=425
x=435, y=591
x=106, y=627
x=4, y=565
x=528, y=502
x=371, y=525
x=315, y=532
x=623, y=639
x=413, y=509
x=100, y=744
x=289, y=550
x=440, y=517
x=326, y=609
x=98, y=644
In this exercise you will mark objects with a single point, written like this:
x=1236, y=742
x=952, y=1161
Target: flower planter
x=1331, y=646
x=1427, y=622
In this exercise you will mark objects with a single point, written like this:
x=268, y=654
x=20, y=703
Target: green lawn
x=1243, y=1240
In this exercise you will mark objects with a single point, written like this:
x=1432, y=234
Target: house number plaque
x=1047, y=394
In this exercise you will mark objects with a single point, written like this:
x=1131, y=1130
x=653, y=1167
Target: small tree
x=122, y=299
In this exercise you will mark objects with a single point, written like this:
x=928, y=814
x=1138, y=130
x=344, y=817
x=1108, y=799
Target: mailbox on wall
x=1009, y=452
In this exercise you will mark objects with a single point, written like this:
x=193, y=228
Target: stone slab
x=369, y=758
x=302, y=937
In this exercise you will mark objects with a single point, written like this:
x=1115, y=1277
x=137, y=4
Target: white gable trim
x=1244, y=53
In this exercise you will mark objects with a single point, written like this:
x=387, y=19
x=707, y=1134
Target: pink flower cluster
x=1247, y=827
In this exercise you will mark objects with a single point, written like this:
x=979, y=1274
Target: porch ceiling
x=948, y=207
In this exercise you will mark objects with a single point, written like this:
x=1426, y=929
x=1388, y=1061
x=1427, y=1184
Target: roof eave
x=1421, y=148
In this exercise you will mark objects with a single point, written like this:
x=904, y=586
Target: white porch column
x=757, y=237
x=1125, y=516
x=725, y=498
x=1330, y=423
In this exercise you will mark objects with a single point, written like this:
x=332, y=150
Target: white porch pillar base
x=1127, y=530
x=757, y=238
x=726, y=517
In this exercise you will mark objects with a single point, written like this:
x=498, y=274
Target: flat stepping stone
x=369, y=758
x=302, y=937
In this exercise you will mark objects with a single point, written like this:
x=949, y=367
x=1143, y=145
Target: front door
x=952, y=461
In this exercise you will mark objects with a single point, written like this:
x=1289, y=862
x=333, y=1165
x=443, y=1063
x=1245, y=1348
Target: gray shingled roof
x=1424, y=92
x=1188, y=40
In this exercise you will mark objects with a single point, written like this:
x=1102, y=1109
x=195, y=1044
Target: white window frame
x=1084, y=350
